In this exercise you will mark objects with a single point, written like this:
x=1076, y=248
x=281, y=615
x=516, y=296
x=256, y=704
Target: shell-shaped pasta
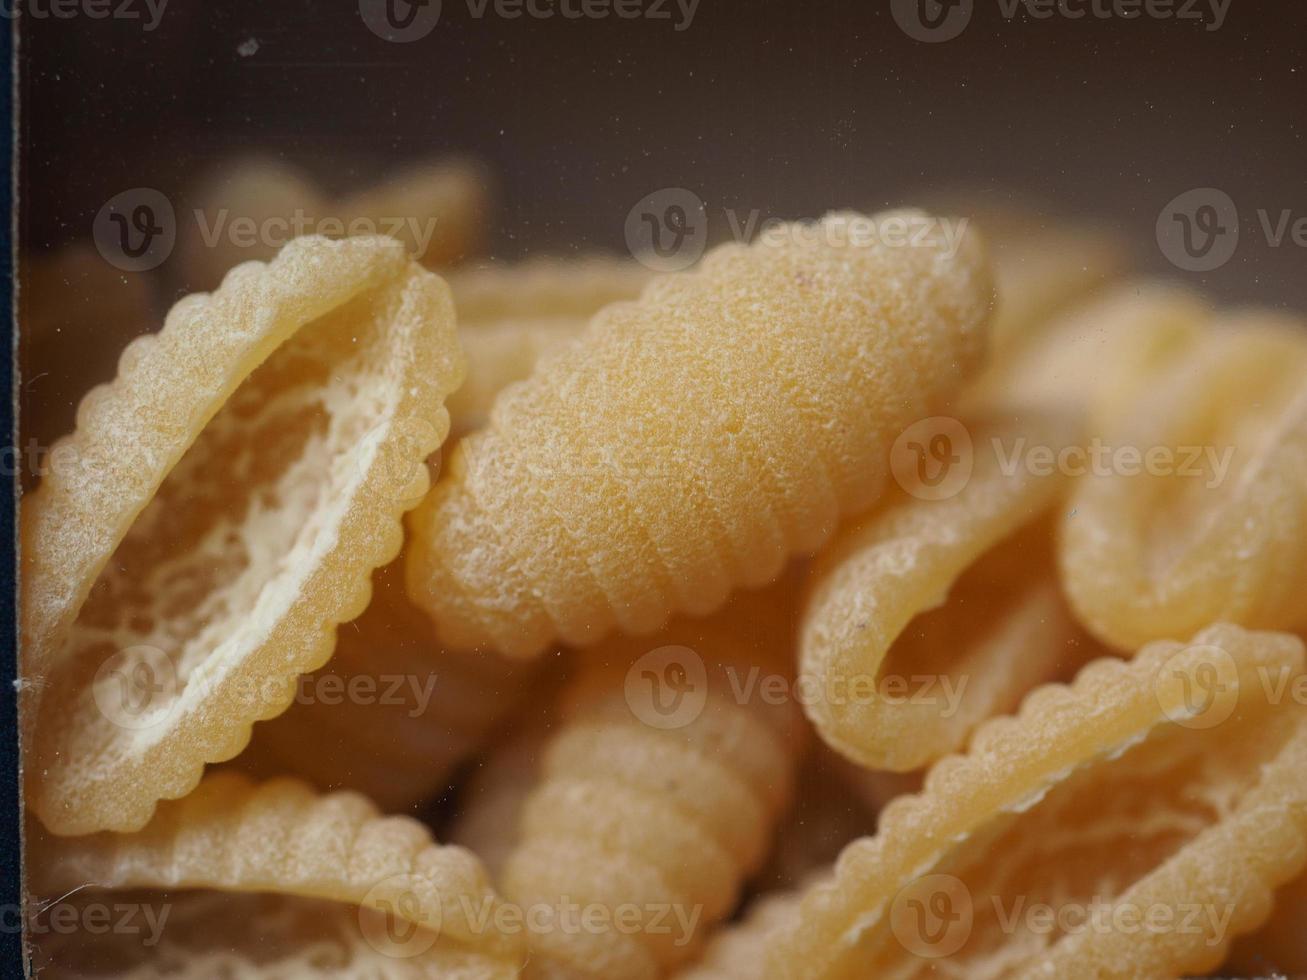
x=1146, y=790
x=75, y=313
x=1210, y=521
x=204, y=935
x=1278, y=947
x=238, y=483
x=654, y=820
x=435, y=208
x=510, y=316
x=281, y=838
x=739, y=951
x=544, y=287
x=925, y=619
x=1099, y=356
x=391, y=714
x=693, y=440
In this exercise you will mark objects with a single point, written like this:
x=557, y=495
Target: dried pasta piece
x=1074, y=839
x=244, y=209
x=739, y=951
x=282, y=839
x=1099, y=356
x=657, y=792
x=391, y=714
x=1043, y=263
x=436, y=208
x=75, y=313
x=511, y=316
x=498, y=354
x=544, y=287
x=693, y=440
x=932, y=615
x=246, y=471
x=1278, y=947
x=203, y=935
x=1214, y=527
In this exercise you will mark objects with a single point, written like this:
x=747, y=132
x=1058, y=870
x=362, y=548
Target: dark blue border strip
x=10, y=822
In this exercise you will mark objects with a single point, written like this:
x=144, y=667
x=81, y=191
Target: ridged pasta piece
x=436, y=209
x=75, y=313
x=1099, y=356
x=739, y=951
x=693, y=440
x=1169, y=782
x=932, y=615
x=1043, y=262
x=1279, y=947
x=1220, y=531
x=665, y=822
x=240, y=480
x=207, y=935
x=544, y=287
x=281, y=838
x=391, y=714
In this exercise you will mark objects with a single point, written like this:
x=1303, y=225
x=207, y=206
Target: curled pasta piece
x=1278, y=947
x=436, y=209
x=1099, y=356
x=544, y=287
x=1210, y=521
x=391, y=714
x=237, y=484
x=202, y=935
x=75, y=313
x=739, y=951
x=934, y=614
x=657, y=793
x=1128, y=825
x=693, y=440
x=281, y=839
x=510, y=316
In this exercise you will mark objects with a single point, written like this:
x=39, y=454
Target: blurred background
x=762, y=109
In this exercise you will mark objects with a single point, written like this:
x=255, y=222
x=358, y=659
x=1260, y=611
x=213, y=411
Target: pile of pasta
x=856, y=603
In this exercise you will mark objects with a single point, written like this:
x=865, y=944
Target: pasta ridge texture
x=1042, y=806
x=696, y=438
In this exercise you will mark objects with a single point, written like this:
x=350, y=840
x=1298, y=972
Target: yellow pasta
x=695, y=439
x=203, y=935
x=1279, y=946
x=237, y=484
x=279, y=838
x=544, y=288
x=510, y=316
x=739, y=951
x=929, y=616
x=75, y=313
x=1129, y=825
x=1210, y=521
x=391, y=714
x=1096, y=358
x=244, y=210
x=657, y=792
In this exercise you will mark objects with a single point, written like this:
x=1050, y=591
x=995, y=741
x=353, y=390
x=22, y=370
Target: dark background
x=788, y=108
